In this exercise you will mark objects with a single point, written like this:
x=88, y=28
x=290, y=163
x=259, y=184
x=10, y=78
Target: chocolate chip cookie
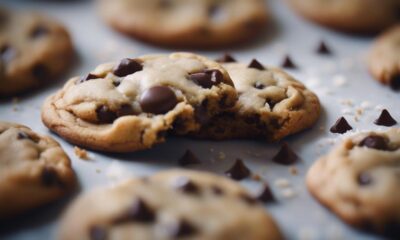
x=187, y=23
x=34, y=170
x=271, y=105
x=130, y=105
x=359, y=181
x=173, y=204
x=360, y=16
x=34, y=49
x=384, y=58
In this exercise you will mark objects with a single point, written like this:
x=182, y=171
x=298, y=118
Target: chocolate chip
x=125, y=110
x=376, y=142
x=217, y=190
x=38, y=31
x=385, y=119
x=50, y=177
x=364, y=178
x=288, y=63
x=186, y=185
x=88, y=77
x=126, y=67
x=248, y=199
x=238, y=171
x=23, y=135
x=256, y=64
x=181, y=228
x=226, y=58
x=40, y=72
x=285, y=155
x=139, y=211
x=158, y=100
x=395, y=82
x=341, y=126
x=323, y=49
x=207, y=78
x=188, y=159
x=97, y=233
x=7, y=53
x=266, y=195
x=201, y=113
x=259, y=85
x=105, y=115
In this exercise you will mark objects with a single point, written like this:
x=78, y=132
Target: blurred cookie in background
x=357, y=16
x=34, y=49
x=187, y=23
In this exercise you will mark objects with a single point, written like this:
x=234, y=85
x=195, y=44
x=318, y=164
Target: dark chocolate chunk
x=376, y=142
x=39, y=31
x=288, y=63
x=97, y=233
x=285, y=156
x=7, y=53
x=256, y=64
x=186, y=185
x=238, y=171
x=226, y=58
x=125, y=110
x=207, y=78
x=105, y=115
x=259, y=85
x=188, y=159
x=139, y=211
x=88, y=77
x=181, y=228
x=266, y=195
x=126, y=67
x=40, y=72
x=323, y=49
x=50, y=177
x=341, y=126
x=364, y=178
x=158, y=100
x=395, y=82
x=217, y=190
x=23, y=135
x=385, y=119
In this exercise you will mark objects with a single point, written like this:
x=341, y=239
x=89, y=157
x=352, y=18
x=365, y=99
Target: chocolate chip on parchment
x=105, y=114
x=266, y=195
x=207, y=78
x=285, y=155
x=139, y=211
x=288, y=63
x=158, y=100
x=376, y=142
x=185, y=185
x=188, y=158
x=256, y=64
x=226, y=58
x=97, y=233
x=341, y=126
x=182, y=228
x=323, y=49
x=385, y=119
x=38, y=31
x=238, y=171
x=126, y=67
x=364, y=178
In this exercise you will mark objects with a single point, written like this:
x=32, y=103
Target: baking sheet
x=341, y=81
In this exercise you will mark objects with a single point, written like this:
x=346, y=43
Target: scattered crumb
x=293, y=170
x=347, y=102
x=339, y=80
x=288, y=193
x=81, y=153
x=282, y=183
x=359, y=111
x=256, y=177
x=347, y=111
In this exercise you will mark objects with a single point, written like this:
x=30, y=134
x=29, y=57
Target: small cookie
x=34, y=170
x=359, y=16
x=34, y=49
x=187, y=23
x=359, y=181
x=174, y=204
x=130, y=105
x=271, y=105
x=384, y=58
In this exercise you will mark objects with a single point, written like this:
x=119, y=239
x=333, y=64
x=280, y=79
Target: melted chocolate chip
x=207, y=78
x=126, y=67
x=181, y=229
x=385, y=119
x=125, y=110
x=23, y=135
x=259, y=85
x=266, y=195
x=256, y=64
x=217, y=190
x=39, y=31
x=288, y=63
x=139, y=211
x=7, y=53
x=341, y=126
x=50, y=177
x=323, y=49
x=395, y=82
x=285, y=156
x=88, y=77
x=40, y=72
x=186, y=185
x=226, y=58
x=97, y=233
x=376, y=142
x=188, y=159
x=364, y=178
x=158, y=100
x=238, y=171
x=105, y=115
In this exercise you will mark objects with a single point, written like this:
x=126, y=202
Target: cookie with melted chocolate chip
x=130, y=105
x=173, y=204
x=358, y=181
x=34, y=50
x=34, y=170
x=187, y=23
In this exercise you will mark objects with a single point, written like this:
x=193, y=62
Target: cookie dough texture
x=359, y=181
x=187, y=23
x=271, y=105
x=384, y=58
x=121, y=111
x=178, y=205
x=34, y=170
x=359, y=16
x=34, y=50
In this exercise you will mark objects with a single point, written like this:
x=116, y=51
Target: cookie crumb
x=282, y=183
x=293, y=170
x=81, y=153
x=256, y=177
